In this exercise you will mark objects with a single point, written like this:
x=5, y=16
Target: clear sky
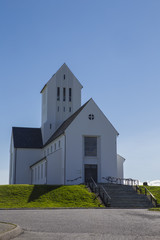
x=111, y=46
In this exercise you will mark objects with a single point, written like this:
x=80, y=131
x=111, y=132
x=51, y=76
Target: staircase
x=124, y=196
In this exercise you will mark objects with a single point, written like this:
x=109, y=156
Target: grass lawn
x=46, y=196
x=155, y=190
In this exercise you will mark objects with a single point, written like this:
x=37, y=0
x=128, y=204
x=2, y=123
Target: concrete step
x=123, y=196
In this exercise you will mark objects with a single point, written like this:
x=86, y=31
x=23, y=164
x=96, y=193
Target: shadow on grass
x=39, y=190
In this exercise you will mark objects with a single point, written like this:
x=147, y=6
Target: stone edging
x=11, y=233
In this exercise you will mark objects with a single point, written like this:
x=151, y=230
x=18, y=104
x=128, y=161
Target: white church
x=73, y=144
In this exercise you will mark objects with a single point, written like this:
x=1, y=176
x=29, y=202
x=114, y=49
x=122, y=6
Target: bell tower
x=61, y=97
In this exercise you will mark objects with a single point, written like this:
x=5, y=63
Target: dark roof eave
x=38, y=161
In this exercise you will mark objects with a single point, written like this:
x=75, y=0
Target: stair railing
x=100, y=191
x=151, y=197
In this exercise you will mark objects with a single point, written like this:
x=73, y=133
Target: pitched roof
x=55, y=74
x=65, y=124
x=27, y=137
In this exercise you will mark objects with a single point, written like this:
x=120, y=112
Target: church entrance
x=90, y=170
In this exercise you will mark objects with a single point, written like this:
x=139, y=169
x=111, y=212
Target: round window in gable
x=91, y=116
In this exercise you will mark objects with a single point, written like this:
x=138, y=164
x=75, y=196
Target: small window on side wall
x=70, y=94
x=58, y=93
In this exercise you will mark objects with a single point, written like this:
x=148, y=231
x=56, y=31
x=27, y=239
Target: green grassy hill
x=46, y=196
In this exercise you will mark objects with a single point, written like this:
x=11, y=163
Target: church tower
x=61, y=97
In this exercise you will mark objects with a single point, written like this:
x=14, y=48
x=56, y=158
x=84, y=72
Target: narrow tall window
x=64, y=94
x=70, y=94
x=64, y=76
x=70, y=109
x=90, y=146
x=58, y=93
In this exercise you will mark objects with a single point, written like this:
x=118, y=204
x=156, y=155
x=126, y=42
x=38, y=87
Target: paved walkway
x=86, y=224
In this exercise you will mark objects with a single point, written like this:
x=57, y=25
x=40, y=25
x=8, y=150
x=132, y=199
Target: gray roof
x=65, y=124
x=27, y=137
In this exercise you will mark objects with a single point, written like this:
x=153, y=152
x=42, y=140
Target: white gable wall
x=107, y=154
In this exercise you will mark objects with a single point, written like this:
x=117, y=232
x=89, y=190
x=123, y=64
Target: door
x=90, y=170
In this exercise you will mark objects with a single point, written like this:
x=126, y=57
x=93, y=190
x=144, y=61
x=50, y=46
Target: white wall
x=120, y=162
x=55, y=162
x=38, y=173
x=100, y=127
x=24, y=159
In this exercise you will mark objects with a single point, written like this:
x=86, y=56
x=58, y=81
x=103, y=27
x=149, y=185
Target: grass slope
x=155, y=190
x=46, y=196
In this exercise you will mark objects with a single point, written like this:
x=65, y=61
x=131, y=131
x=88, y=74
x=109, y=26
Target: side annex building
x=73, y=144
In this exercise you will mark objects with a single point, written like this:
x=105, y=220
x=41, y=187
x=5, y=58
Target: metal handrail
x=106, y=192
x=94, y=182
x=152, y=198
x=102, y=194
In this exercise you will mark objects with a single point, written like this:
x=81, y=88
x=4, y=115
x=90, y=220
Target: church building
x=74, y=143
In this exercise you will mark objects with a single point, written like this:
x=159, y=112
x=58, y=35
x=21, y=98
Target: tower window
x=64, y=76
x=69, y=109
x=70, y=94
x=58, y=93
x=58, y=109
x=64, y=109
x=50, y=125
x=64, y=94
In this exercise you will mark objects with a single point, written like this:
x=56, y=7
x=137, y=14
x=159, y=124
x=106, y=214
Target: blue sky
x=112, y=47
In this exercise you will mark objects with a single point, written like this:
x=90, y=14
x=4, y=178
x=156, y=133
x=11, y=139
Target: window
x=50, y=125
x=59, y=144
x=51, y=148
x=58, y=93
x=55, y=147
x=64, y=76
x=90, y=146
x=70, y=94
x=69, y=109
x=64, y=94
x=64, y=109
x=42, y=170
x=47, y=151
x=57, y=109
x=91, y=116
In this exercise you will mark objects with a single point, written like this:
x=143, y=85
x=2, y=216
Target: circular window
x=91, y=116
